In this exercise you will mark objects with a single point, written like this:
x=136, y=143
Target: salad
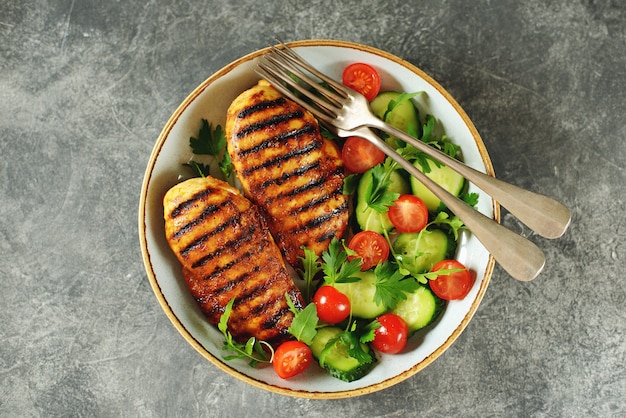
x=394, y=271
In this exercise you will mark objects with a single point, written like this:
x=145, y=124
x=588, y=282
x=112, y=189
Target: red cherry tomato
x=392, y=334
x=292, y=358
x=408, y=213
x=332, y=305
x=451, y=286
x=371, y=247
x=359, y=154
x=362, y=78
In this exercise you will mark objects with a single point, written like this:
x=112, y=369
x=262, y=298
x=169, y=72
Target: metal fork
x=348, y=112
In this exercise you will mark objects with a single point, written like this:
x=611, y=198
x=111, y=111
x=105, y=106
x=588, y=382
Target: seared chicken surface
x=285, y=166
x=227, y=252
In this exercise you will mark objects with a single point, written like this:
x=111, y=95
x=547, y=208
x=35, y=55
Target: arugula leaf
x=391, y=285
x=253, y=349
x=398, y=101
x=310, y=267
x=304, y=323
x=336, y=267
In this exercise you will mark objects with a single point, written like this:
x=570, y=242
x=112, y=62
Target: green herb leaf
x=304, y=324
x=351, y=183
x=310, y=267
x=209, y=141
x=199, y=169
x=454, y=223
x=470, y=198
x=391, y=285
x=252, y=350
x=336, y=267
x=377, y=195
x=398, y=101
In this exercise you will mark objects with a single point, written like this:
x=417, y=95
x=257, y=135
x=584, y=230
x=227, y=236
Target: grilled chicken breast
x=285, y=166
x=227, y=252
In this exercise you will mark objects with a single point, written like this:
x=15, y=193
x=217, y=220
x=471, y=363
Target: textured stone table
x=85, y=88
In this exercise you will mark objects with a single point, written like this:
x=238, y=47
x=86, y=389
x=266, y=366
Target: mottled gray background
x=85, y=88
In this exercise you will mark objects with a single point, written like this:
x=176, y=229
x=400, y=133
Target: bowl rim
x=146, y=257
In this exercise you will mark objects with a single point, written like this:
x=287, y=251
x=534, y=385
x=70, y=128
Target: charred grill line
x=189, y=226
x=269, y=142
x=274, y=120
x=183, y=206
x=264, y=105
x=245, y=256
x=318, y=201
x=282, y=158
x=320, y=220
x=272, y=321
x=286, y=176
x=242, y=237
x=203, y=238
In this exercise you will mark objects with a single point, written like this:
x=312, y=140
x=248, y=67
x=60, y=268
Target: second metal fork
x=346, y=109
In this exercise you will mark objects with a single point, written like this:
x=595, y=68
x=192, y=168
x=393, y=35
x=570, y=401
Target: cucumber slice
x=367, y=218
x=420, y=308
x=338, y=363
x=420, y=251
x=447, y=178
x=404, y=116
x=361, y=295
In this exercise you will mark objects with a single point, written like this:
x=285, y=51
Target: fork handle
x=544, y=215
x=519, y=257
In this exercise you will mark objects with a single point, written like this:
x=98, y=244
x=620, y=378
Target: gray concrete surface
x=85, y=88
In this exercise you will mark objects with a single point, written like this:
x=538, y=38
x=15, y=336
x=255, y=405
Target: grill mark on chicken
x=243, y=236
x=300, y=171
x=264, y=105
x=184, y=206
x=317, y=201
x=273, y=320
x=274, y=120
x=282, y=158
x=223, y=269
x=270, y=142
x=205, y=237
x=209, y=210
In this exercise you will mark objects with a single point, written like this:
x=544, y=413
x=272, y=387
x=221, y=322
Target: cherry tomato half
x=408, y=213
x=362, y=78
x=332, y=305
x=371, y=247
x=292, y=358
x=359, y=154
x=451, y=286
x=392, y=334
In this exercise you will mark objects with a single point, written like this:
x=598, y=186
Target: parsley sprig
x=337, y=268
x=210, y=141
x=353, y=339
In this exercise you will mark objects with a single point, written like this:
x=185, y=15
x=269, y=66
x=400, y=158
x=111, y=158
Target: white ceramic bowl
x=210, y=101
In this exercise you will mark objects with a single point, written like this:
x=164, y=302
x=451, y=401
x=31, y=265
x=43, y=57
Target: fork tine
x=297, y=59
x=276, y=79
x=287, y=63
